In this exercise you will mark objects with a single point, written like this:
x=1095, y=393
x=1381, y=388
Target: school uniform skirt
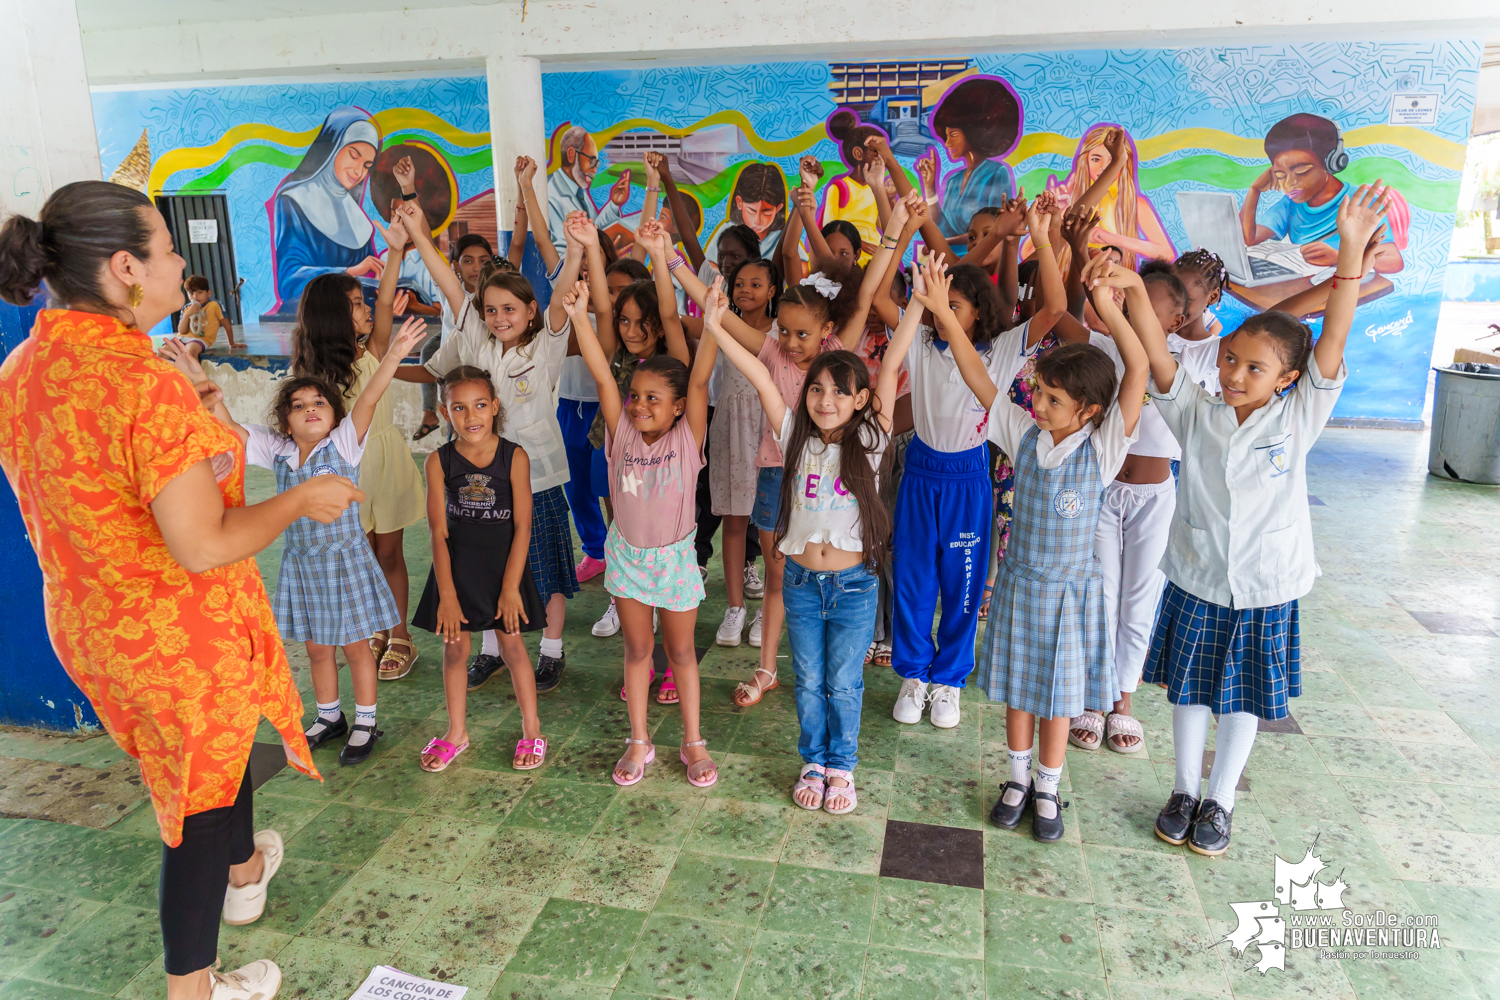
x=1230, y=659
x=551, y=556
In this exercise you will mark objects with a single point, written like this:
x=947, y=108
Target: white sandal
x=1119, y=724
x=1091, y=722
x=753, y=689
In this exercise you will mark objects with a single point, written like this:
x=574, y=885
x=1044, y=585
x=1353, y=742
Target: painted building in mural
x=1245, y=151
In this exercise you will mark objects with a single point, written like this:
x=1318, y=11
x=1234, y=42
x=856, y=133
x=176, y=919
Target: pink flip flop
x=443, y=751
x=648, y=683
x=668, y=686
x=537, y=746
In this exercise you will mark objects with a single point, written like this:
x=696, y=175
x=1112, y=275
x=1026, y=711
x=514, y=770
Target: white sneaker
x=755, y=588
x=257, y=981
x=910, y=702
x=755, y=630
x=734, y=624
x=609, y=624
x=244, y=904
x=944, y=702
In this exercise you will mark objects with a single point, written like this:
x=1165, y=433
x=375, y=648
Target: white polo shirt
x=1152, y=437
x=946, y=415
x=1009, y=424
x=1241, y=535
x=526, y=384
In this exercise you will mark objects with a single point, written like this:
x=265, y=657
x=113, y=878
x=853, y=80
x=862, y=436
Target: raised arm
x=888, y=380
x=934, y=298
x=1052, y=299
x=415, y=223
x=877, y=273
x=516, y=252
x=931, y=235
x=587, y=235
x=698, y=378
x=1360, y=214
x=806, y=201
x=1133, y=353
x=1078, y=222
x=536, y=214
x=1099, y=276
x=572, y=267
x=751, y=366
x=653, y=236
x=875, y=180
x=575, y=302
x=885, y=307
x=412, y=333
x=680, y=215
x=386, y=305
x=901, y=341
x=751, y=338
x=648, y=209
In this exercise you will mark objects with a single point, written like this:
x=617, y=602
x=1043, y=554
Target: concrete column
x=47, y=136
x=516, y=128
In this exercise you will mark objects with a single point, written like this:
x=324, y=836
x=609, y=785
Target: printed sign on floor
x=386, y=983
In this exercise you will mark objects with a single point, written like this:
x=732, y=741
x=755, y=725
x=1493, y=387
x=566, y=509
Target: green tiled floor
x=558, y=884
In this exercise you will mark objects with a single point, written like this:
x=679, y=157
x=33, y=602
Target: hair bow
x=822, y=285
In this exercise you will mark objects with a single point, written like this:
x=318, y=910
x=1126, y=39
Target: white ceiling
x=109, y=15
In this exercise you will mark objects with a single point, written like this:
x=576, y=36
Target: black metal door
x=199, y=224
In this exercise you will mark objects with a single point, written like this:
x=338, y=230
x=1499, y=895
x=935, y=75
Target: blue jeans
x=830, y=618
x=575, y=418
x=767, y=498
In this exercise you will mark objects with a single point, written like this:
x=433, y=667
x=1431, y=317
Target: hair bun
x=23, y=259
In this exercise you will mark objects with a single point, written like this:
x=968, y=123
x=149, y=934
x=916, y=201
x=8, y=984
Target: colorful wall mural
x=1245, y=150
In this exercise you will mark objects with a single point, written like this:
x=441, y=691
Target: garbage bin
x=1465, y=443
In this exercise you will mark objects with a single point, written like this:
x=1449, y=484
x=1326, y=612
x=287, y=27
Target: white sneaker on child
x=608, y=624
x=245, y=903
x=944, y=702
x=734, y=624
x=910, y=702
x=755, y=588
x=257, y=981
x=755, y=630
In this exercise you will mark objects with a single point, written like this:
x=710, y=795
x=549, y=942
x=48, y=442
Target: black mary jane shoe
x=330, y=731
x=1210, y=833
x=358, y=754
x=1176, y=818
x=1009, y=817
x=549, y=672
x=482, y=668
x=1046, y=830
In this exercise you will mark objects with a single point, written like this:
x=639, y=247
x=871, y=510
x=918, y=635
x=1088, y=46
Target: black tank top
x=475, y=495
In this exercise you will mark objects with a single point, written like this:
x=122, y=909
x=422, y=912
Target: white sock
x=1231, y=752
x=552, y=647
x=490, y=644
x=1189, y=736
x=1047, y=779
x=364, y=715
x=1020, y=773
x=329, y=713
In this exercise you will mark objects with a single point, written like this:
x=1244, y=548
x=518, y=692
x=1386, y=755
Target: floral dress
x=1021, y=390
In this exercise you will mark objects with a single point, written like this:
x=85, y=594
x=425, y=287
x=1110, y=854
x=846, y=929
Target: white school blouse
x=525, y=382
x=946, y=415
x=1241, y=535
x=264, y=445
x=1199, y=357
x=823, y=511
x=1009, y=423
x=1153, y=439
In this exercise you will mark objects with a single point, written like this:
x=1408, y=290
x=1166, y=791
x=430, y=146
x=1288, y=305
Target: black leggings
x=194, y=875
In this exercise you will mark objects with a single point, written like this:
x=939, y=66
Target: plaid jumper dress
x=1047, y=650
x=331, y=590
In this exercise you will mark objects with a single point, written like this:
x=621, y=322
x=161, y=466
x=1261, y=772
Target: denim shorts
x=767, y=498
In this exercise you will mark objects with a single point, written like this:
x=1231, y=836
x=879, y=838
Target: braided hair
x=1208, y=264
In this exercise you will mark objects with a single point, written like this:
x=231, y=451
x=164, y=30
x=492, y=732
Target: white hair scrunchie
x=822, y=285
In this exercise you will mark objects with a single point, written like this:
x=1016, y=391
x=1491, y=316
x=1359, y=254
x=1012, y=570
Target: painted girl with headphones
x=1306, y=152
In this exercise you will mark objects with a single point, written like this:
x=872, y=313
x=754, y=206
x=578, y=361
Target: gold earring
x=137, y=296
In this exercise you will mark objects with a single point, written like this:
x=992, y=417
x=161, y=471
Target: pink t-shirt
x=653, y=486
x=788, y=378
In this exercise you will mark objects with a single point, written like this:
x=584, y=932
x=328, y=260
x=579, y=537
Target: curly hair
x=978, y=289
x=281, y=404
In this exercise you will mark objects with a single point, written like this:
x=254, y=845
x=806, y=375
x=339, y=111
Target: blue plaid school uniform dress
x=1047, y=649
x=551, y=552
x=331, y=589
x=1230, y=659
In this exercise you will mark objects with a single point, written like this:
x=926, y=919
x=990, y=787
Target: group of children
x=1143, y=480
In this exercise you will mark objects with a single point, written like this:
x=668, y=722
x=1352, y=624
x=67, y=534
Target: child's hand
x=1361, y=212
x=1078, y=225
x=399, y=302
x=1036, y=220
x=1114, y=144
x=1102, y=272
x=805, y=198
x=619, y=192
x=900, y=213
x=811, y=171
x=876, y=148
x=528, y=172
x=395, y=235
x=406, y=174
x=570, y=234
x=931, y=292
x=576, y=302
x=1012, y=219
x=714, y=304
x=653, y=236
x=1046, y=204
x=510, y=611
x=584, y=230
x=414, y=219
x=450, y=618
x=916, y=210
x=194, y=307
x=875, y=171
x=412, y=333
x=176, y=351
x=653, y=176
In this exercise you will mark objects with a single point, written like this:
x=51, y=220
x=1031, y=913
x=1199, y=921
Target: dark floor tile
x=1313, y=501
x=942, y=854
x=1447, y=623
x=1287, y=725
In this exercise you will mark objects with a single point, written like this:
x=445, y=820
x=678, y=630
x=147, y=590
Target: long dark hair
x=325, y=343
x=81, y=226
x=970, y=281
x=759, y=182
x=856, y=440
x=643, y=294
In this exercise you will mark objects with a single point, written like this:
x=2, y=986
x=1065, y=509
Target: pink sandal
x=443, y=751
x=696, y=769
x=648, y=683
x=811, y=778
x=537, y=747
x=630, y=767
x=837, y=791
x=668, y=686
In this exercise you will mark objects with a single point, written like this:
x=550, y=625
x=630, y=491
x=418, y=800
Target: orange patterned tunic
x=179, y=666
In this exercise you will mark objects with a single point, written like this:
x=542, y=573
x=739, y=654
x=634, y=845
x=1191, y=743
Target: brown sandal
x=754, y=690
x=395, y=664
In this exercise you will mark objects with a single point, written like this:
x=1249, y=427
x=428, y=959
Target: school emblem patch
x=325, y=470
x=1068, y=503
x=1277, y=457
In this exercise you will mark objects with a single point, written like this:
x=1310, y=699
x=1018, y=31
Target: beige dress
x=733, y=440
x=395, y=496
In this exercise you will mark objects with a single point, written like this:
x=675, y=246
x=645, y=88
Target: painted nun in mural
x=320, y=224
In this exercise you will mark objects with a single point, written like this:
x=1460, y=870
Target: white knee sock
x=1020, y=773
x=490, y=644
x=551, y=647
x=1231, y=751
x=1189, y=736
x=364, y=715
x=329, y=713
x=1047, y=780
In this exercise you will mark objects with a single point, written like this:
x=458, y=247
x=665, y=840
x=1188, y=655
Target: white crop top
x=823, y=511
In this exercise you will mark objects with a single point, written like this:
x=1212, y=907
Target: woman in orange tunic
x=133, y=497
